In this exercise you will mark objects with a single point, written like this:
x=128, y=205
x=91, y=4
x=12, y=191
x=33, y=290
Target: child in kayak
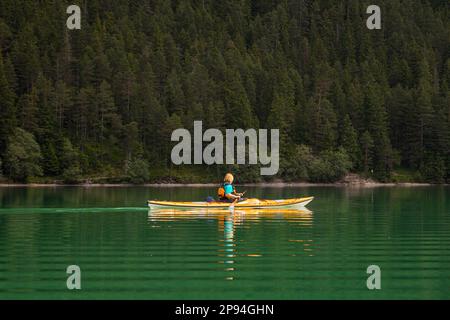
x=226, y=192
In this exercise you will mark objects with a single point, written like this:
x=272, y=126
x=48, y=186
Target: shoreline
x=370, y=184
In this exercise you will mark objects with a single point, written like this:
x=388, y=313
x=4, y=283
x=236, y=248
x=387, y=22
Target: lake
x=126, y=251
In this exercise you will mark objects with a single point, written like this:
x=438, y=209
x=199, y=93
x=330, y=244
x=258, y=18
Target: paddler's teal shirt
x=228, y=188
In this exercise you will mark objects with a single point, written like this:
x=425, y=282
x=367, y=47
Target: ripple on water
x=136, y=253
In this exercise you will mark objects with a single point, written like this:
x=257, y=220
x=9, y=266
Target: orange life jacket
x=221, y=191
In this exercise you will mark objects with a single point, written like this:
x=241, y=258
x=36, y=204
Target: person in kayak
x=226, y=192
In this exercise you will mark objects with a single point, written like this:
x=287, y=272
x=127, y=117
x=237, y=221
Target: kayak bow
x=249, y=203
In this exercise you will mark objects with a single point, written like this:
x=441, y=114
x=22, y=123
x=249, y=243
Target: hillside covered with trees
x=102, y=102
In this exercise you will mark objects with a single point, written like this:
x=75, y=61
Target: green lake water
x=125, y=251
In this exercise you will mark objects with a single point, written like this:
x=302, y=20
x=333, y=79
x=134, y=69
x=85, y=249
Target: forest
x=100, y=103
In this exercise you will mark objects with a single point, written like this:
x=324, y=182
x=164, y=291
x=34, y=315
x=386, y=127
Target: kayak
x=220, y=213
x=246, y=204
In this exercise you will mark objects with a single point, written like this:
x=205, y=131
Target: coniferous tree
x=367, y=145
x=309, y=68
x=349, y=140
x=236, y=102
x=7, y=110
x=22, y=156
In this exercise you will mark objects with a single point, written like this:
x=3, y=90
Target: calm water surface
x=126, y=251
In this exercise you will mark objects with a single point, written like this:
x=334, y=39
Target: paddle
x=231, y=207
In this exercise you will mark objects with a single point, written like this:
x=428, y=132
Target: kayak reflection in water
x=228, y=229
x=227, y=193
x=229, y=246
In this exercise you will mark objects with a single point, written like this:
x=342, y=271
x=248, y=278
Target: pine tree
x=7, y=108
x=399, y=106
x=349, y=140
x=367, y=144
x=22, y=156
x=320, y=125
x=131, y=141
x=27, y=110
x=46, y=131
x=236, y=102
x=175, y=94
x=25, y=56
x=425, y=111
x=10, y=73
x=172, y=123
x=106, y=109
x=376, y=119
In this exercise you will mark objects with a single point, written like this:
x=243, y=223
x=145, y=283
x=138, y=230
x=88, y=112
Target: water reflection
x=228, y=221
x=239, y=215
x=228, y=243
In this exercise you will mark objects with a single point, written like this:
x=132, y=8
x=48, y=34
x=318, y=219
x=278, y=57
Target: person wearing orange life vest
x=227, y=192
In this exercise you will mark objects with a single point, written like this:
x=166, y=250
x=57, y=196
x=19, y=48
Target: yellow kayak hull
x=246, y=204
x=221, y=213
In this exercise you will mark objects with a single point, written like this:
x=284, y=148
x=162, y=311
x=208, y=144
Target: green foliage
x=7, y=110
x=434, y=169
x=22, y=156
x=349, y=140
x=328, y=166
x=132, y=143
x=70, y=163
x=296, y=165
x=312, y=69
x=244, y=173
x=367, y=145
x=138, y=171
x=72, y=174
x=406, y=176
x=236, y=102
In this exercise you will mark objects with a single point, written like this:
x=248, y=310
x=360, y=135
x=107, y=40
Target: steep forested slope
x=104, y=100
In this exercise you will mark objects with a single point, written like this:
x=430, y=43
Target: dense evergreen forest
x=102, y=102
